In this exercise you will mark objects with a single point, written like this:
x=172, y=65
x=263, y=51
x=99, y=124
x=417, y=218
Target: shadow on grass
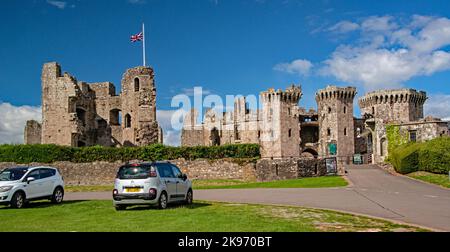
x=43, y=204
x=194, y=205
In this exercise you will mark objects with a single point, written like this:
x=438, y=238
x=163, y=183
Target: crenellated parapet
x=291, y=95
x=334, y=92
x=393, y=96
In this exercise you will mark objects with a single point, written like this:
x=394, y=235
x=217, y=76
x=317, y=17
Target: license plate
x=132, y=190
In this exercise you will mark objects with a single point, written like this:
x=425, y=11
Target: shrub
x=405, y=158
x=51, y=153
x=434, y=155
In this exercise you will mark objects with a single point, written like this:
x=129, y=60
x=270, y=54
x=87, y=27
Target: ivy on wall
x=395, y=137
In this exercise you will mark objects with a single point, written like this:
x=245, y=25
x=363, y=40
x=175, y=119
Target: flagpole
x=143, y=42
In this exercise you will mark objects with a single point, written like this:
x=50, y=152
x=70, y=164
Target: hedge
x=431, y=156
x=50, y=153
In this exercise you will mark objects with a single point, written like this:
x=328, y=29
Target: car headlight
x=5, y=188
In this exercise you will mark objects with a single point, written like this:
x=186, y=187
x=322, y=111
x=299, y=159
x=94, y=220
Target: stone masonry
x=76, y=113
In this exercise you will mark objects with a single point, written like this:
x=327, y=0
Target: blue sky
x=225, y=46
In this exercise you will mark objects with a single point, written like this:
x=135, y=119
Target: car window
x=34, y=174
x=165, y=171
x=134, y=172
x=12, y=174
x=46, y=173
x=177, y=173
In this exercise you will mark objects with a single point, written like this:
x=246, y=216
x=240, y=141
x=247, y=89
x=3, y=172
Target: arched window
x=127, y=121
x=136, y=84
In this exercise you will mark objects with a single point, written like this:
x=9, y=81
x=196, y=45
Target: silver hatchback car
x=153, y=183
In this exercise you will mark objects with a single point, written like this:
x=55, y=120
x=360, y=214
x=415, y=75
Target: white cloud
x=299, y=66
x=438, y=105
x=58, y=4
x=388, y=53
x=343, y=27
x=171, y=136
x=13, y=121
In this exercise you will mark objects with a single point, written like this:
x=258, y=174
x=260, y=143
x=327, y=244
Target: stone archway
x=214, y=137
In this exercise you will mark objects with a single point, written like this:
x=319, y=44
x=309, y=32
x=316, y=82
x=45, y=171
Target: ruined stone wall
x=425, y=130
x=277, y=169
x=33, y=132
x=139, y=107
x=76, y=113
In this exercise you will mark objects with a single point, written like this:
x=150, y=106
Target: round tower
x=398, y=105
x=336, y=126
x=138, y=99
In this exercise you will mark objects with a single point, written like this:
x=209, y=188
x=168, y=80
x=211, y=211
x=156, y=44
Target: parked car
x=153, y=183
x=19, y=185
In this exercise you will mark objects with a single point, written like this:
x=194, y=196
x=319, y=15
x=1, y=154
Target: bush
x=431, y=156
x=434, y=156
x=51, y=153
x=405, y=158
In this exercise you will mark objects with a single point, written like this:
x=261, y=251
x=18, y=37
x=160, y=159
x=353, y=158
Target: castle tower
x=279, y=126
x=388, y=106
x=138, y=97
x=398, y=105
x=336, y=127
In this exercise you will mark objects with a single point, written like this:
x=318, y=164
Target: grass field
x=315, y=182
x=438, y=179
x=200, y=217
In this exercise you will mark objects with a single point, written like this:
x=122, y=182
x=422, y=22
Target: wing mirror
x=30, y=179
x=184, y=177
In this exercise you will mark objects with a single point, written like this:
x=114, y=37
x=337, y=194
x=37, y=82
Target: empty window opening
x=328, y=132
x=345, y=110
x=329, y=110
x=136, y=84
x=127, y=121
x=345, y=131
x=290, y=132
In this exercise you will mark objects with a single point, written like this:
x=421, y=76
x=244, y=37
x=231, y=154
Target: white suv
x=20, y=185
x=157, y=183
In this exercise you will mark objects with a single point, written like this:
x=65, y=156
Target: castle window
x=373, y=111
x=127, y=121
x=345, y=110
x=289, y=111
x=259, y=134
x=328, y=132
x=412, y=135
x=115, y=117
x=247, y=108
x=236, y=133
x=290, y=132
x=81, y=115
x=345, y=131
x=136, y=84
x=329, y=110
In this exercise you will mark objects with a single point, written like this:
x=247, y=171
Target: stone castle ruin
x=286, y=131
x=76, y=113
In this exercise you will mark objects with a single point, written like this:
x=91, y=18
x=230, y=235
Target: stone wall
x=103, y=173
x=32, y=132
x=276, y=169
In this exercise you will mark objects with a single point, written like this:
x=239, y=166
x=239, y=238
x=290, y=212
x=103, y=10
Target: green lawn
x=199, y=217
x=438, y=179
x=315, y=182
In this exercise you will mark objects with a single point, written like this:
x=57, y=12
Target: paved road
x=373, y=191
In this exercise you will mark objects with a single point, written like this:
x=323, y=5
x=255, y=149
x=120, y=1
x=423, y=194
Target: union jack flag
x=137, y=37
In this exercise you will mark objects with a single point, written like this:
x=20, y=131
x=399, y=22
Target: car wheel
x=18, y=200
x=58, y=195
x=120, y=207
x=162, y=202
x=189, y=197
